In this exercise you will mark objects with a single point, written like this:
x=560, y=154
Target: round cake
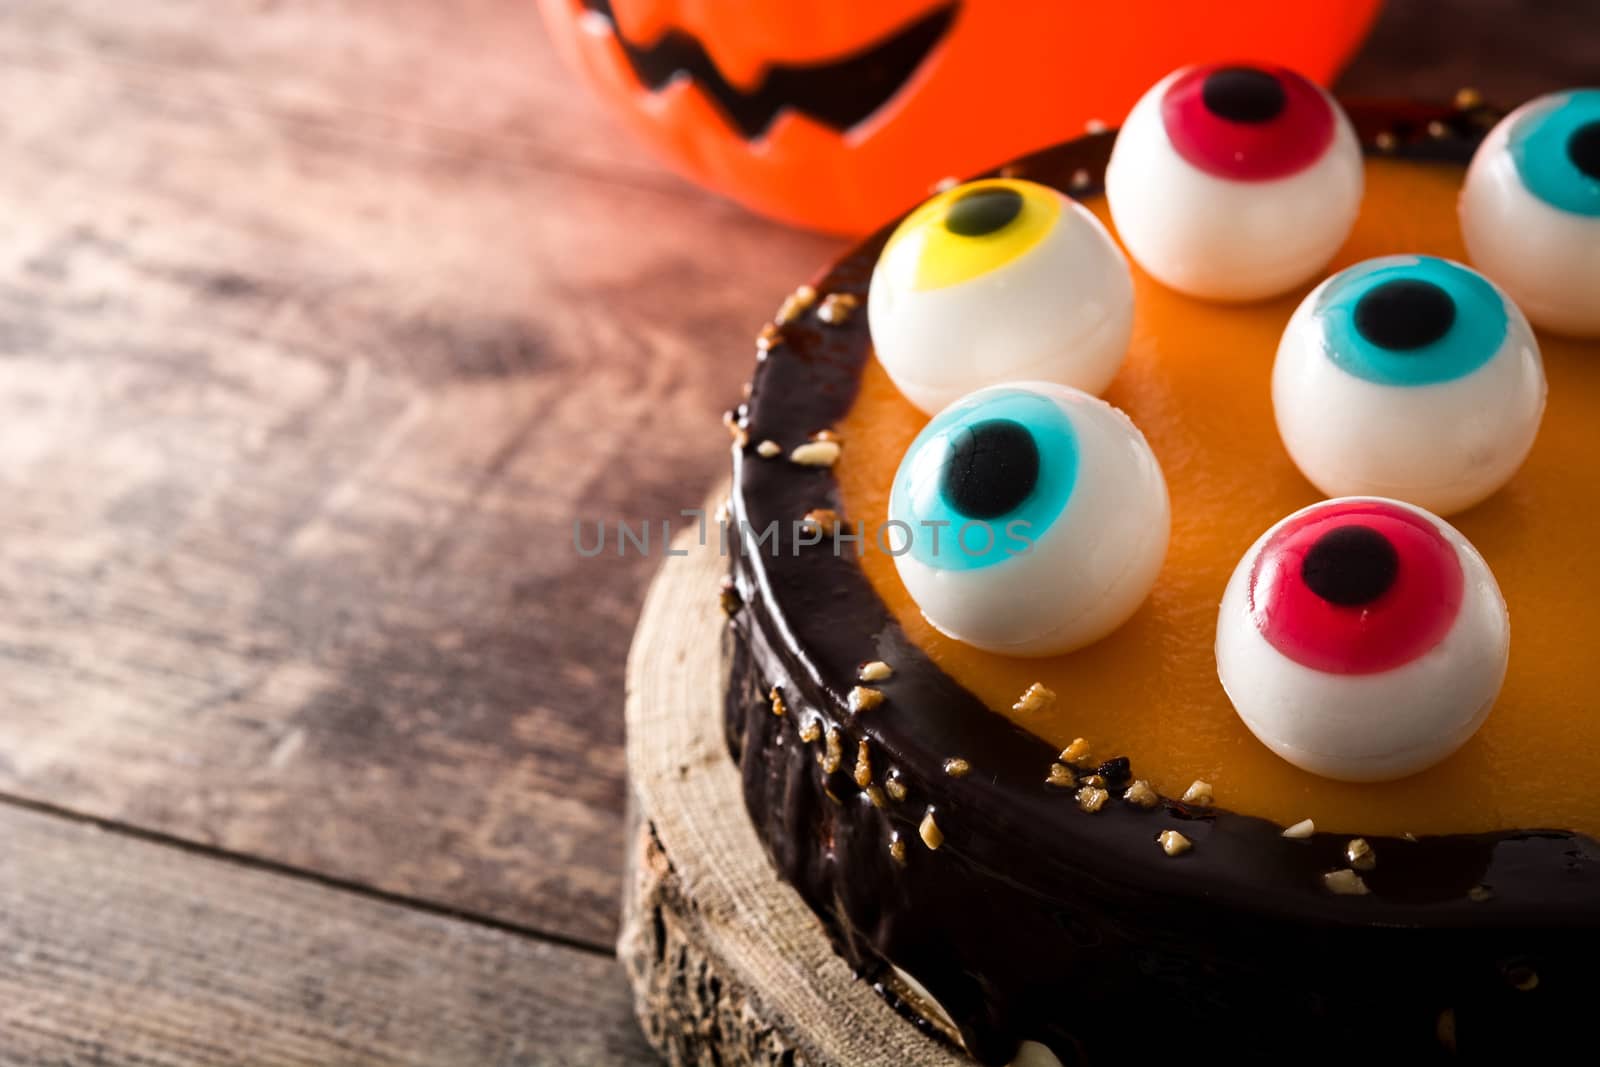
x=1091, y=855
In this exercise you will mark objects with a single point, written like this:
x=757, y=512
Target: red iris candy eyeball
x=1362, y=639
x=1235, y=182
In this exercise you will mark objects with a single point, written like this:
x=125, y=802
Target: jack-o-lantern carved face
x=839, y=114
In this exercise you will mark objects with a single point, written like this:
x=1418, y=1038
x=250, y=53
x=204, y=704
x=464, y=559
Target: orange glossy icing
x=1197, y=383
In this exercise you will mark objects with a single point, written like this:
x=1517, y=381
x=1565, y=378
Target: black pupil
x=1584, y=148
x=1350, y=566
x=1404, y=314
x=983, y=211
x=992, y=468
x=1243, y=94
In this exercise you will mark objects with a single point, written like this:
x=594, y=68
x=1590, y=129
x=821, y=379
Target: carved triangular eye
x=1235, y=183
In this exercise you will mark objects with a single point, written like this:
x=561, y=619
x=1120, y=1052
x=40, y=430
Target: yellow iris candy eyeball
x=995, y=281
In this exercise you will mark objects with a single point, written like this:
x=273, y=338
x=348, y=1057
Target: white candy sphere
x=1530, y=210
x=1234, y=183
x=1410, y=377
x=1029, y=519
x=998, y=281
x=1362, y=639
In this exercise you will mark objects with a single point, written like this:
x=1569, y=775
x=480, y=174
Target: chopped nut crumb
x=1199, y=794
x=823, y=520
x=1081, y=179
x=1438, y=130
x=1077, y=753
x=746, y=389
x=815, y=454
x=1468, y=98
x=897, y=850
x=1061, y=776
x=1116, y=770
x=1386, y=141
x=810, y=730
x=1345, y=883
x=1092, y=798
x=876, y=671
x=826, y=435
x=864, y=698
x=837, y=308
x=728, y=596
x=1093, y=779
x=956, y=767
x=875, y=795
x=1300, y=830
x=1095, y=126
x=767, y=449
x=740, y=435
x=778, y=706
x=1409, y=836
x=863, y=764
x=1480, y=893
x=932, y=836
x=1173, y=843
x=1140, y=795
x=1359, y=854
x=769, y=338
x=1036, y=699
x=896, y=787
x=832, y=753
x=795, y=304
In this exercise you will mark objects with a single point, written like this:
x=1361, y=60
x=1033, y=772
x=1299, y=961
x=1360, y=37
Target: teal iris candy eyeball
x=1029, y=519
x=1408, y=377
x=1530, y=210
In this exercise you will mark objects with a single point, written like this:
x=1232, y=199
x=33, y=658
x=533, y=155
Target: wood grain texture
x=120, y=951
x=1509, y=50
x=319, y=325
x=728, y=962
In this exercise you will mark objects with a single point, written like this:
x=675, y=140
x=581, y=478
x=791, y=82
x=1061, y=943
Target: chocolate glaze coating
x=1035, y=920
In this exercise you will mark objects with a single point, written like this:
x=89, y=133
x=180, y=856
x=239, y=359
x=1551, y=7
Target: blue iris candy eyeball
x=1530, y=210
x=1029, y=519
x=1408, y=377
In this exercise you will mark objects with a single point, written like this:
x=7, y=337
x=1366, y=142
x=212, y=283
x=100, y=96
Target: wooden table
x=320, y=323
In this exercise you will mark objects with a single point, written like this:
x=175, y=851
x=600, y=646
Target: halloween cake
x=1245, y=711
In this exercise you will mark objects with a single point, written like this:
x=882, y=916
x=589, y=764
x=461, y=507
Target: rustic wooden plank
x=1508, y=50
x=295, y=417
x=122, y=951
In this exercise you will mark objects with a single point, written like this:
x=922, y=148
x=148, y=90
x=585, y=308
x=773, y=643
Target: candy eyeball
x=1234, y=183
x=1530, y=210
x=1409, y=377
x=1362, y=639
x=997, y=281
x=1029, y=519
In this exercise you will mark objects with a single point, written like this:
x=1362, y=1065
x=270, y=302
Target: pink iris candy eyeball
x=1530, y=210
x=1235, y=182
x=1362, y=639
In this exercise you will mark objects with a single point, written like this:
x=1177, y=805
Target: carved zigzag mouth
x=840, y=94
